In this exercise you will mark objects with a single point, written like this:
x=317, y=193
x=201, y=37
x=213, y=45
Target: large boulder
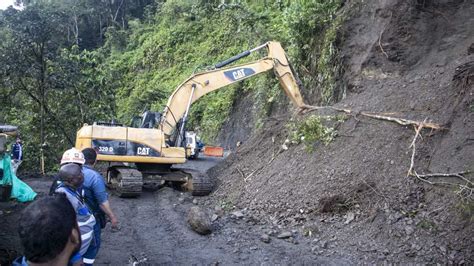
x=199, y=221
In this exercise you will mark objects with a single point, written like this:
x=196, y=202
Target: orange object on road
x=213, y=151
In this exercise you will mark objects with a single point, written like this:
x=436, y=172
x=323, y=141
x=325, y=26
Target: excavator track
x=198, y=184
x=202, y=185
x=129, y=182
x=126, y=182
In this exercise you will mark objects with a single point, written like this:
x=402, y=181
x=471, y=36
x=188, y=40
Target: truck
x=142, y=155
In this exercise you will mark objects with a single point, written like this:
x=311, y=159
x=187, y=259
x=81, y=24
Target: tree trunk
x=42, y=105
x=76, y=29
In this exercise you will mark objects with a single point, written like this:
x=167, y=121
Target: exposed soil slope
x=402, y=58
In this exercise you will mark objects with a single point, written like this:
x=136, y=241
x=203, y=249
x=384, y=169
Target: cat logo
x=238, y=74
x=143, y=151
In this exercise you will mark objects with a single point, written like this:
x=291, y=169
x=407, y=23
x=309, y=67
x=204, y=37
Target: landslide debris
x=410, y=59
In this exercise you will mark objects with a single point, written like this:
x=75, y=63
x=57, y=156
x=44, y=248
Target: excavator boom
x=200, y=84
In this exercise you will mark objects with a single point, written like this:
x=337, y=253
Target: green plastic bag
x=20, y=190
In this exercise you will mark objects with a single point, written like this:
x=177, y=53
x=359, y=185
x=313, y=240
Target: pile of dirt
x=407, y=59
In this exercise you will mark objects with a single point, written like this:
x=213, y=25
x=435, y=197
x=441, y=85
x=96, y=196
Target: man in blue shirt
x=97, y=199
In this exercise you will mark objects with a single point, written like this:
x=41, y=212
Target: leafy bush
x=312, y=130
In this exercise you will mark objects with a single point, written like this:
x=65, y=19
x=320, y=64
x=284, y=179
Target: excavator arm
x=200, y=84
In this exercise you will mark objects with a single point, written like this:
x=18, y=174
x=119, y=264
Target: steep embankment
x=410, y=59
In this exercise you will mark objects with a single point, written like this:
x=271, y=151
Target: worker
x=71, y=178
x=49, y=233
x=72, y=155
x=17, y=155
x=97, y=199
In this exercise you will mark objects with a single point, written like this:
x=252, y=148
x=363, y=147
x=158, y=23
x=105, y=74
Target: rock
x=181, y=200
x=195, y=201
x=218, y=210
x=323, y=244
x=394, y=217
x=284, y=235
x=443, y=249
x=386, y=252
x=199, y=221
x=350, y=216
x=265, y=238
x=253, y=248
x=237, y=214
x=409, y=230
x=284, y=147
x=214, y=217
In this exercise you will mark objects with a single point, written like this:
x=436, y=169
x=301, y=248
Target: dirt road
x=154, y=230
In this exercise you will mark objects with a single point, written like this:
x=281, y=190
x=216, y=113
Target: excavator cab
x=148, y=119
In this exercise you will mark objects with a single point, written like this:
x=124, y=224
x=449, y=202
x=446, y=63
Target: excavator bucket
x=213, y=151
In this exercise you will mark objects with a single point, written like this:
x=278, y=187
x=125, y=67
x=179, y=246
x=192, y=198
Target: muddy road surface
x=154, y=230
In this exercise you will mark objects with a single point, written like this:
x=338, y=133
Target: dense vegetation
x=64, y=63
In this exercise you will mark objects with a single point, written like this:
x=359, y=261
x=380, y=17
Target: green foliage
x=209, y=113
x=227, y=205
x=313, y=129
x=183, y=37
x=427, y=225
x=329, y=67
x=139, y=53
x=47, y=90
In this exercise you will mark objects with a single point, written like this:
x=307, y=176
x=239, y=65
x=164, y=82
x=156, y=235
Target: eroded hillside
x=402, y=59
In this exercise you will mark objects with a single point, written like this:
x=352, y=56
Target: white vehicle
x=192, y=148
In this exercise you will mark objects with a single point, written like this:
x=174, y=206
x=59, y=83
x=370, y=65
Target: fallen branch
x=465, y=190
x=380, y=44
x=384, y=116
x=251, y=174
x=459, y=175
x=413, y=146
x=241, y=173
x=268, y=163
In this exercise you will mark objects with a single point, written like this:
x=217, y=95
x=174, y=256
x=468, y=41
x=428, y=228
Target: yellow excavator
x=141, y=155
